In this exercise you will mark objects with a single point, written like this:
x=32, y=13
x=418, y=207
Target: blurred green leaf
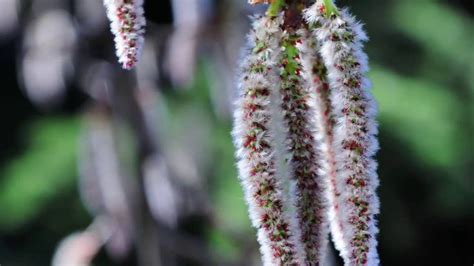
x=228, y=194
x=223, y=245
x=46, y=168
x=429, y=119
x=448, y=35
x=424, y=115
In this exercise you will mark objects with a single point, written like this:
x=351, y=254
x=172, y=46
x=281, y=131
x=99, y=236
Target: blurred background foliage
x=422, y=58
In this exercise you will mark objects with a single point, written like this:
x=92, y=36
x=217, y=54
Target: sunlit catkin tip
x=256, y=2
x=127, y=23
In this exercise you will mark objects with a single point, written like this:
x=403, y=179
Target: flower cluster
x=127, y=23
x=354, y=142
x=306, y=136
x=295, y=101
x=258, y=163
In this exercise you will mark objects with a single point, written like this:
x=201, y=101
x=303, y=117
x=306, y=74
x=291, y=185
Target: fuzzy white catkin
x=303, y=154
x=315, y=75
x=127, y=23
x=341, y=38
x=258, y=164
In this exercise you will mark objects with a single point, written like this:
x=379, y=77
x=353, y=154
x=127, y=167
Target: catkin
x=354, y=109
x=127, y=23
x=255, y=143
x=304, y=156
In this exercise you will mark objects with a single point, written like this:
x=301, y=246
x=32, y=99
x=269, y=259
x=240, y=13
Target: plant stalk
x=331, y=9
x=275, y=8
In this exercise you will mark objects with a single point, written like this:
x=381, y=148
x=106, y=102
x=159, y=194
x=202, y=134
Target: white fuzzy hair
x=304, y=157
x=261, y=166
x=341, y=38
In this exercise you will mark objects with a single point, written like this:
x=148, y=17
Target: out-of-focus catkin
x=127, y=23
x=256, y=2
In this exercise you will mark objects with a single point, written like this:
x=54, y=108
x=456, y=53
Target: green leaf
x=45, y=168
x=424, y=115
x=445, y=33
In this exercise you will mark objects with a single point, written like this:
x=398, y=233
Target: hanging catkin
x=262, y=183
x=304, y=156
x=127, y=23
x=354, y=109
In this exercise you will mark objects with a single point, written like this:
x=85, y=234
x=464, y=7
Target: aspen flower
x=315, y=74
x=304, y=156
x=258, y=164
x=354, y=109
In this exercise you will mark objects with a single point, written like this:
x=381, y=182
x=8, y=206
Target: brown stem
x=293, y=12
x=125, y=104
